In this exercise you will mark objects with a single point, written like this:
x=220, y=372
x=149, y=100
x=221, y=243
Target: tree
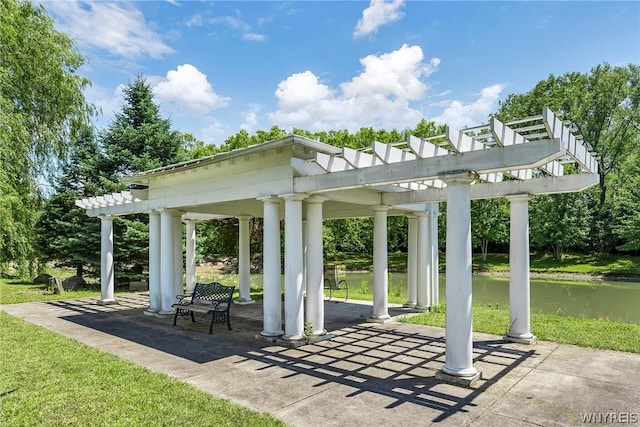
x=489, y=223
x=137, y=140
x=65, y=233
x=604, y=106
x=560, y=221
x=42, y=107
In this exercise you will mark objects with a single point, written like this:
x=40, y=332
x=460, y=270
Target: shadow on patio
x=395, y=361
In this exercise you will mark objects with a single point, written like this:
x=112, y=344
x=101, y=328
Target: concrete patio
x=367, y=374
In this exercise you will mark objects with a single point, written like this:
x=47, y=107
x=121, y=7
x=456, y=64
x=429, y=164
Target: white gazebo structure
x=304, y=181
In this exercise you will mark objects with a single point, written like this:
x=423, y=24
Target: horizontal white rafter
x=572, y=145
x=497, y=159
x=543, y=185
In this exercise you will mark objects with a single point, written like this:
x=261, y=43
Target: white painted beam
x=572, y=145
x=497, y=159
x=424, y=149
x=544, y=185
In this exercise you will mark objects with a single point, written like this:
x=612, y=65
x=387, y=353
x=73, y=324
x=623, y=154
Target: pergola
x=304, y=181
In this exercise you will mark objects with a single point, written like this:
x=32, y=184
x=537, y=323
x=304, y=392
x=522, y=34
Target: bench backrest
x=213, y=292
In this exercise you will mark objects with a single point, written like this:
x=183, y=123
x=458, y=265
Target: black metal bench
x=332, y=283
x=210, y=298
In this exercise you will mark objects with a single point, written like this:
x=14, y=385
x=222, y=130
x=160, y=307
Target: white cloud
x=118, y=27
x=254, y=37
x=195, y=21
x=379, y=96
x=250, y=123
x=379, y=13
x=459, y=115
x=188, y=89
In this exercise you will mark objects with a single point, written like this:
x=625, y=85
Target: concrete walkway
x=368, y=374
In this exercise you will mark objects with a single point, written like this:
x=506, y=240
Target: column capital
x=411, y=215
x=244, y=217
x=269, y=199
x=106, y=217
x=519, y=197
x=315, y=200
x=297, y=197
x=152, y=212
x=459, y=178
x=381, y=208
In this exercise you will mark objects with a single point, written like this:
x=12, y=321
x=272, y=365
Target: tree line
x=46, y=137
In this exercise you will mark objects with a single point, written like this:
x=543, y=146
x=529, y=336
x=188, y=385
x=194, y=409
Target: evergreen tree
x=137, y=140
x=65, y=233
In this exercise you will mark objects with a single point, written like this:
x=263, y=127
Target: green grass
x=17, y=291
x=606, y=265
x=50, y=380
x=595, y=333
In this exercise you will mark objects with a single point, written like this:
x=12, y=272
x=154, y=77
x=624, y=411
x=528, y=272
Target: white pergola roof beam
x=497, y=159
x=543, y=185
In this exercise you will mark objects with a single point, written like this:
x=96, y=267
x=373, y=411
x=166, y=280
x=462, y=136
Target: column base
x=268, y=336
x=150, y=313
x=466, y=381
x=409, y=304
x=165, y=313
x=109, y=301
x=421, y=308
x=292, y=342
x=243, y=301
x=380, y=319
x=520, y=338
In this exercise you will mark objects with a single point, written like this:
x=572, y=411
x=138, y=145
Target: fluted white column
x=315, y=267
x=191, y=254
x=244, y=261
x=293, y=266
x=107, y=279
x=155, y=295
x=167, y=265
x=412, y=260
x=271, y=288
x=380, y=265
x=459, y=319
x=424, y=268
x=435, y=272
x=178, y=257
x=519, y=280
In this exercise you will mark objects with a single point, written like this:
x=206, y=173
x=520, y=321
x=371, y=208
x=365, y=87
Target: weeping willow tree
x=41, y=108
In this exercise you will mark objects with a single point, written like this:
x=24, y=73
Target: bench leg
x=213, y=316
x=228, y=321
x=175, y=317
x=192, y=319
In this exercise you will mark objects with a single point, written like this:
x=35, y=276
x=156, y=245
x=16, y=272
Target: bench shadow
x=367, y=358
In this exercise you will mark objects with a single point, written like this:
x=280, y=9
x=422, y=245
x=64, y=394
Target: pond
x=615, y=301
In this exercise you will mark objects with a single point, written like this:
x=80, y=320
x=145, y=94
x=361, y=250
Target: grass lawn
x=50, y=380
x=16, y=291
x=594, y=333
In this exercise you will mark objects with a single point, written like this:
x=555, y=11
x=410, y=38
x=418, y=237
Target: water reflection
x=615, y=301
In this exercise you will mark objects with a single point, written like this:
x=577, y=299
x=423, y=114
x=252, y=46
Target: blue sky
x=218, y=67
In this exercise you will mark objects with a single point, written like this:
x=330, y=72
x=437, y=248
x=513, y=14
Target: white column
x=271, y=288
x=423, y=270
x=191, y=254
x=435, y=272
x=412, y=260
x=519, y=284
x=178, y=257
x=167, y=265
x=244, y=261
x=155, y=295
x=293, y=266
x=315, y=267
x=459, y=319
x=380, y=266
x=107, y=279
